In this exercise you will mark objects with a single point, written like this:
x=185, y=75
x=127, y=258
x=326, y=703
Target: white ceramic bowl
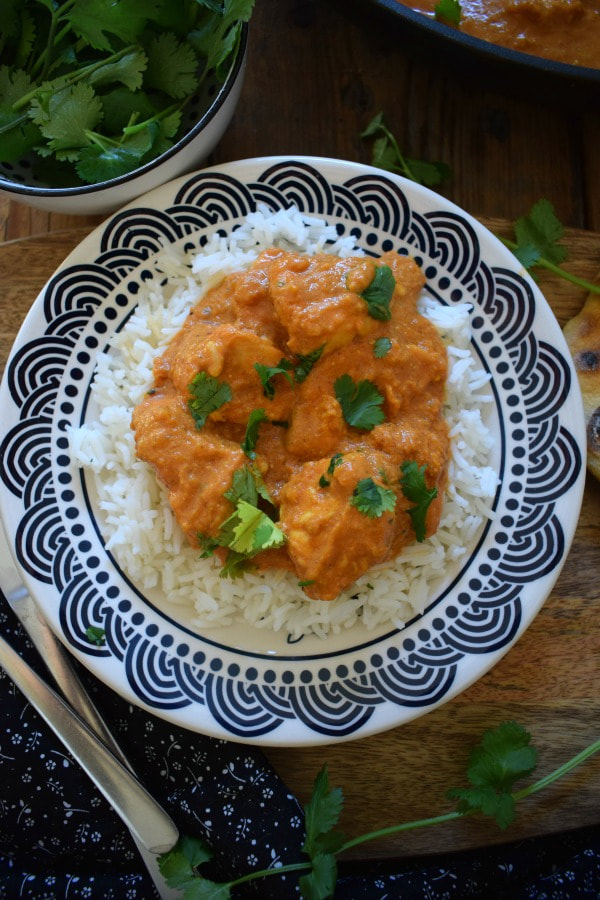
x=208, y=118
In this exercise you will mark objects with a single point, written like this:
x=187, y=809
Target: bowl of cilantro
x=101, y=102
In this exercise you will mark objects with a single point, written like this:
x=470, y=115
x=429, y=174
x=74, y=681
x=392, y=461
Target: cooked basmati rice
x=134, y=515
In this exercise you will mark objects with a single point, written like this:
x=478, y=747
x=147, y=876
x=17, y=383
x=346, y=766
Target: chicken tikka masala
x=296, y=418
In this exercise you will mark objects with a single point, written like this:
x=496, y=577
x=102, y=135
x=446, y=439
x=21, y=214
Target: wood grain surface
x=547, y=681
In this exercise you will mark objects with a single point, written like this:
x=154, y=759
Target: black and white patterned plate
x=262, y=689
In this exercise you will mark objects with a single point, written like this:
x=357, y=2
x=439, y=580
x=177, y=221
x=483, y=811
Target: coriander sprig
x=503, y=757
x=537, y=234
x=537, y=243
x=387, y=155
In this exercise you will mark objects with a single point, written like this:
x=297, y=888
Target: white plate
x=257, y=687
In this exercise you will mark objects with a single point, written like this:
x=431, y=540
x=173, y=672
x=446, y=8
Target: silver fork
x=81, y=727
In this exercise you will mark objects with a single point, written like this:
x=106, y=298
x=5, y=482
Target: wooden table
x=317, y=74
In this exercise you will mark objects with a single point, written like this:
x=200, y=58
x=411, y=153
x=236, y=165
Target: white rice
x=134, y=515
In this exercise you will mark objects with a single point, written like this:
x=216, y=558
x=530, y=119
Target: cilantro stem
x=449, y=817
x=404, y=167
x=139, y=126
x=264, y=873
x=44, y=58
x=558, y=773
x=22, y=118
x=78, y=75
x=557, y=270
x=405, y=826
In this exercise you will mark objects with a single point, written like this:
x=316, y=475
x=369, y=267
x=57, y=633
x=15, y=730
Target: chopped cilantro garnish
x=251, y=438
x=300, y=370
x=371, y=499
x=249, y=530
x=306, y=582
x=95, y=635
x=415, y=489
x=334, y=462
x=305, y=363
x=379, y=293
x=361, y=402
x=247, y=484
x=207, y=395
x=448, y=11
x=268, y=373
x=381, y=347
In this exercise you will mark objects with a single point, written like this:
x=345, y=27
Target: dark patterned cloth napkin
x=59, y=838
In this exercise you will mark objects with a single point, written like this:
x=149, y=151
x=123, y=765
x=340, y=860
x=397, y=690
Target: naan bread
x=583, y=337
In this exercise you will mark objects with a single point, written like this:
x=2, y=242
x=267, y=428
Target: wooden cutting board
x=548, y=682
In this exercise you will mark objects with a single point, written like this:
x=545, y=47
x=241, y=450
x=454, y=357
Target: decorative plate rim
x=384, y=680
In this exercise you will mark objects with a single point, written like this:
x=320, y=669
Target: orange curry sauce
x=286, y=306
x=566, y=31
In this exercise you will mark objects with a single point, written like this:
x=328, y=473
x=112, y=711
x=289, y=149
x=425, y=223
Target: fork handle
x=59, y=665
x=147, y=821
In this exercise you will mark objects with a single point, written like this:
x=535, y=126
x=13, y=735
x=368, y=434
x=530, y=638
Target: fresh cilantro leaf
x=306, y=582
x=179, y=869
x=95, y=635
x=172, y=66
x=10, y=21
x=320, y=882
x=414, y=489
x=379, y=293
x=538, y=234
x=321, y=813
x=386, y=154
x=381, y=347
x=235, y=564
x=207, y=395
x=13, y=85
x=247, y=484
x=121, y=106
x=217, y=38
x=428, y=173
x=537, y=244
x=208, y=545
x=448, y=11
x=94, y=20
x=371, y=499
x=27, y=36
x=243, y=487
x=335, y=461
x=251, y=437
x=96, y=163
x=248, y=530
x=305, y=364
x=502, y=758
x=18, y=135
x=128, y=69
x=268, y=373
x=71, y=113
x=361, y=403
